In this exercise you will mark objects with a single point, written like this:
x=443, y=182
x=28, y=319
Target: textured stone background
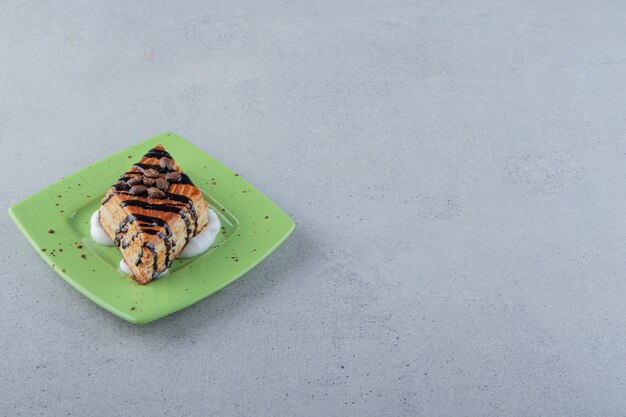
x=456, y=170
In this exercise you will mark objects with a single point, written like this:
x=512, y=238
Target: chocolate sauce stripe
x=155, y=259
x=150, y=206
x=157, y=153
x=138, y=261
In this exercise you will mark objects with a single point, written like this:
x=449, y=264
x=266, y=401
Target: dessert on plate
x=151, y=214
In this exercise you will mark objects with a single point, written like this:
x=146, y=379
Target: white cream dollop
x=97, y=232
x=203, y=240
x=124, y=267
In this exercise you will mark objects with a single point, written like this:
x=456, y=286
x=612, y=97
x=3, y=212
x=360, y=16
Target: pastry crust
x=151, y=232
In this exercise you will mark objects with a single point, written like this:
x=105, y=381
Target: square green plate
x=252, y=227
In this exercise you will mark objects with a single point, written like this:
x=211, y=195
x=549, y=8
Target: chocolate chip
x=162, y=183
x=155, y=192
x=172, y=176
x=151, y=173
x=135, y=180
x=166, y=162
x=138, y=189
x=149, y=181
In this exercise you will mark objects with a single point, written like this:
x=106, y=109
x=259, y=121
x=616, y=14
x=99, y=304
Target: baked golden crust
x=151, y=226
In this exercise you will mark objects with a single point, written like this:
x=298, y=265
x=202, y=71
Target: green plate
x=55, y=221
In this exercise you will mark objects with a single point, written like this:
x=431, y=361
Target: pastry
x=151, y=213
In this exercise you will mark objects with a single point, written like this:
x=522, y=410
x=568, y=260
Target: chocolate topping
x=151, y=173
x=138, y=189
x=135, y=180
x=155, y=192
x=173, y=176
x=162, y=183
x=166, y=162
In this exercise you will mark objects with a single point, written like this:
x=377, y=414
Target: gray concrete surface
x=457, y=171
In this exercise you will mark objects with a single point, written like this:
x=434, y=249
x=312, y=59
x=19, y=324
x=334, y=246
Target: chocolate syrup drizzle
x=158, y=153
x=172, y=203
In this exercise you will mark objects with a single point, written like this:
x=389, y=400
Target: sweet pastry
x=151, y=213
